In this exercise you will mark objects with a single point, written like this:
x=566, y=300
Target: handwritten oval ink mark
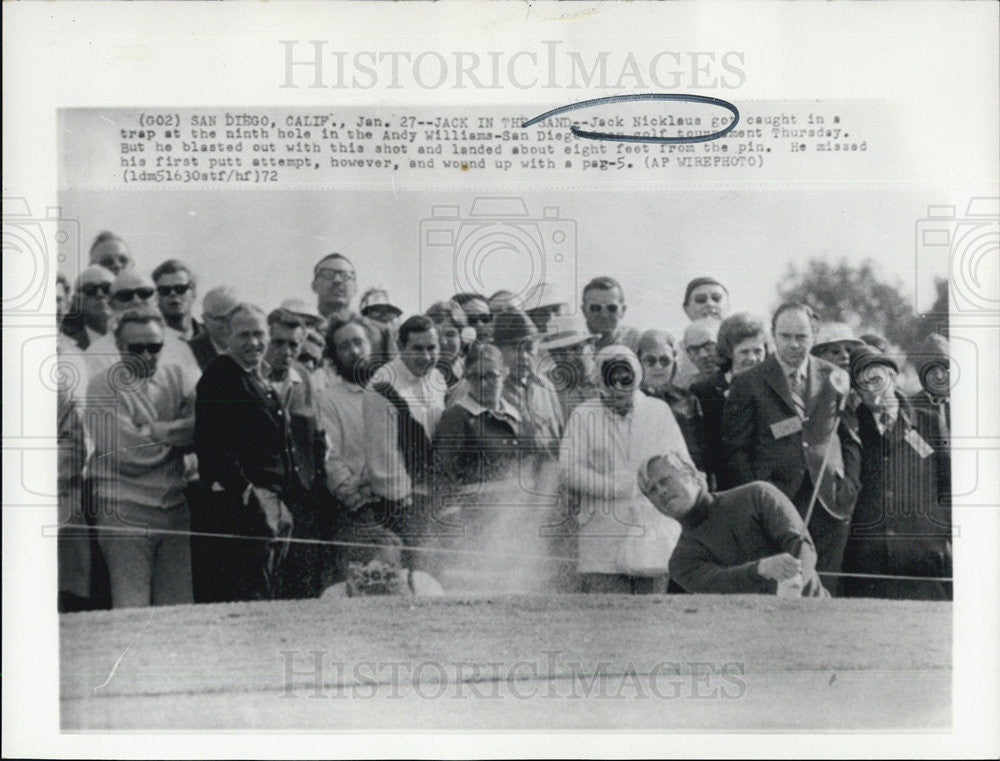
x=643, y=138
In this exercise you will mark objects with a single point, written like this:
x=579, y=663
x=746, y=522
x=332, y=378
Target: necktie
x=796, y=387
x=884, y=421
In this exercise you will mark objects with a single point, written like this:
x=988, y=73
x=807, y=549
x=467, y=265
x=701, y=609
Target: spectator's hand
x=779, y=567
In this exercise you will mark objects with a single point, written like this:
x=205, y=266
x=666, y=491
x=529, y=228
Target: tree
x=858, y=296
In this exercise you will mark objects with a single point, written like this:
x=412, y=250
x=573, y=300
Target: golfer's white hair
x=675, y=461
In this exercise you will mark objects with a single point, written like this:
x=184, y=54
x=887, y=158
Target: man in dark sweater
x=750, y=539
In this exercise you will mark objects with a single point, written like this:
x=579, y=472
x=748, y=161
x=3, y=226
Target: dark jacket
x=711, y=393
x=473, y=444
x=203, y=349
x=688, y=414
x=241, y=433
x=727, y=533
x=902, y=523
x=73, y=326
x=765, y=440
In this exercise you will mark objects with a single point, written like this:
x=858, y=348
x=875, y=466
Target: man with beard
x=138, y=468
x=245, y=454
x=335, y=284
x=401, y=408
x=348, y=349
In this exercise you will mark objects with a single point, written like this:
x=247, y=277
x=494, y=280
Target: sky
x=265, y=242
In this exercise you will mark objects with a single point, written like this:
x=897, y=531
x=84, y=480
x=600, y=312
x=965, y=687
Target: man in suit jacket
x=245, y=456
x=211, y=342
x=780, y=424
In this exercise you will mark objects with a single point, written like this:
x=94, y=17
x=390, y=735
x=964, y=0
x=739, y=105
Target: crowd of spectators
x=308, y=448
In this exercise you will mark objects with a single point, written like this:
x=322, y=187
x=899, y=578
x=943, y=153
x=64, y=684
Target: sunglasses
x=702, y=298
x=92, y=289
x=342, y=275
x=153, y=348
x=127, y=294
x=308, y=360
x=480, y=319
x=650, y=361
x=180, y=289
x=597, y=308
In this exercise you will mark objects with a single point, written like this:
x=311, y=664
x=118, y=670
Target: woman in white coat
x=606, y=441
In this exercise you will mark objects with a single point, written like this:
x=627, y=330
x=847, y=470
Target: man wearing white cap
x=543, y=302
x=567, y=361
x=375, y=305
x=607, y=440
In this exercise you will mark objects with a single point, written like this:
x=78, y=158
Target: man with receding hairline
x=745, y=540
x=781, y=424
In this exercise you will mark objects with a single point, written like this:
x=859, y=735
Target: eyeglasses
x=480, y=319
x=707, y=347
x=650, y=361
x=180, y=289
x=702, y=298
x=153, y=348
x=92, y=289
x=597, y=308
x=485, y=377
x=333, y=275
x=125, y=295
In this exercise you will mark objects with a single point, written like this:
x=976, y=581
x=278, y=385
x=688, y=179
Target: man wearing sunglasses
x=704, y=298
x=131, y=290
x=478, y=313
x=88, y=316
x=175, y=291
x=138, y=467
x=604, y=308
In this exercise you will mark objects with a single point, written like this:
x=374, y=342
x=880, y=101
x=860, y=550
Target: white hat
x=834, y=332
x=378, y=297
x=301, y=307
x=565, y=330
x=543, y=294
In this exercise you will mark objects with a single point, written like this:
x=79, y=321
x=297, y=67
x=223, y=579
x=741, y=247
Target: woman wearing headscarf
x=606, y=441
x=658, y=356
